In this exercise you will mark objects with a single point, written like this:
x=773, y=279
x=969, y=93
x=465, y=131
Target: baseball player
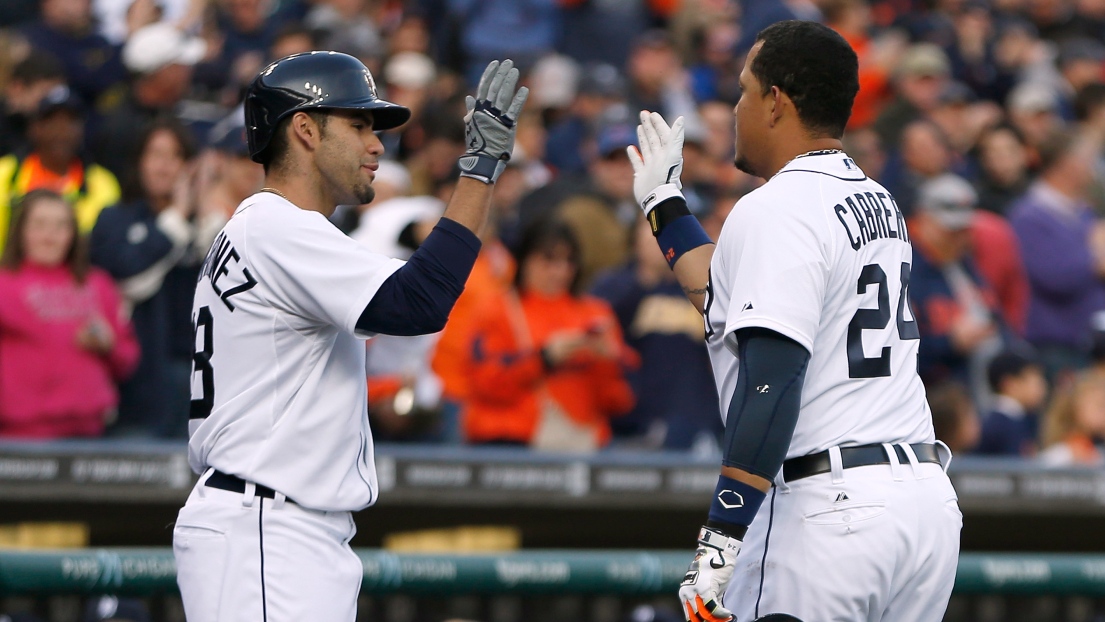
x=279, y=429
x=829, y=443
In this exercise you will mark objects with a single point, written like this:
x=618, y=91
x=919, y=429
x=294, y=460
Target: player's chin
x=743, y=165
x=364, y=193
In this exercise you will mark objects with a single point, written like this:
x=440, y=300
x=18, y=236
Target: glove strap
x=659, y=195
x=719, y=540
x=481, y=167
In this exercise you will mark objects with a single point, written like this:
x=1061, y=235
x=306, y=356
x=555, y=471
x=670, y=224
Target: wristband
x=481, y=167
x=680, y=236
x=734, y=506
x=666, y=213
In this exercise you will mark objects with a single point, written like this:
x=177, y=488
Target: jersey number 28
x=859, y=366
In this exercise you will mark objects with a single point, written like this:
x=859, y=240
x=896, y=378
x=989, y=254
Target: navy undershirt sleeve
x=417, y=298
x=764, y=408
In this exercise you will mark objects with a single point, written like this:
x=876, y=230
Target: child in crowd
x=1075, y=423
x=1020, y=390
x=64, y=339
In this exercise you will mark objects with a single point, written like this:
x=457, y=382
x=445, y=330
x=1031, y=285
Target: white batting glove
x=658, y=162
x=708, y=576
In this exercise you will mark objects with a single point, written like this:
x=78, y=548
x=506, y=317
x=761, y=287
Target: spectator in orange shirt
x=547, y=368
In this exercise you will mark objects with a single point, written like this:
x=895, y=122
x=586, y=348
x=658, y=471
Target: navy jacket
x=127, y=242
x=675, y=383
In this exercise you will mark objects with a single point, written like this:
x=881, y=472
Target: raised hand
x=658, y=162
x=490, y=124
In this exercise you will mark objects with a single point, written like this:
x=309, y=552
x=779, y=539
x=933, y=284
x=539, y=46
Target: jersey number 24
x=860, y=366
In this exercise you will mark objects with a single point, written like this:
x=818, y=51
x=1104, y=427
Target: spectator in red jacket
x=64, y=338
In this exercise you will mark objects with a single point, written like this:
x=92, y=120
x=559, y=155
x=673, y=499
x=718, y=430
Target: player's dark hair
x=132, y=188
x=277, y=150
x=542, y=236
x=76, y=258
x=815, y=67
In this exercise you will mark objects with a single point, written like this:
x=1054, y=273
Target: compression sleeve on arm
x=417, y=298
x=764, y=407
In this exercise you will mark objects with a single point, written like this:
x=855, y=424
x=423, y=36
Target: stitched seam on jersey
x=762, y=321
x=362, y=458
x=833, y=239
x=261, y=541
x=372, y=286
x=767, y=542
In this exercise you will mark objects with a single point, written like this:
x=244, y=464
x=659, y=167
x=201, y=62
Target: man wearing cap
x=919, y=80
x=56, y=132
x=956, y=311
x=600, y=87
x=1079, y=63
x=159, y=58
x=1033, y=109
x=236, y=175
x=31, y=79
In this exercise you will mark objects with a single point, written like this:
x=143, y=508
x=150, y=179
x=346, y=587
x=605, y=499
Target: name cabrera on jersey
x=820, y=253
x=278, y=383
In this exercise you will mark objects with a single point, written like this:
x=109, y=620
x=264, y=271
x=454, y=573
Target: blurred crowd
x=122, y=153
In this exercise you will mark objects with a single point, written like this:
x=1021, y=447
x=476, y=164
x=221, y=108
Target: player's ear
x=778, y=99
x=305, y=130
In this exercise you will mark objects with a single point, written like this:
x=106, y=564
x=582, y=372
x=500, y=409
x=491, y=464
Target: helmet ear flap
x=258, y=130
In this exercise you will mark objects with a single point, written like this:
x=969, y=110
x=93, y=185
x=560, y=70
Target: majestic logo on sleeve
x=218, y=265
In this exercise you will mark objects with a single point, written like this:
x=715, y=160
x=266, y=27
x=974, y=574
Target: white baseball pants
x=242, y=558
x=875, y=543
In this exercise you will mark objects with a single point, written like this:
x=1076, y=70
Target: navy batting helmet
x=312, y=81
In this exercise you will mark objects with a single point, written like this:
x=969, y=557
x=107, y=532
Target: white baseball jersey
x=278, y=384
x=821, y=255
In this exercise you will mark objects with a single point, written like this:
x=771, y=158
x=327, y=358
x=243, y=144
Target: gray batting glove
x=658, y=162
x=489, y=126
x=708, y=576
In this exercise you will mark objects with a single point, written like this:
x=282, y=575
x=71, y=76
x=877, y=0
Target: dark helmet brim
x=385, y=115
